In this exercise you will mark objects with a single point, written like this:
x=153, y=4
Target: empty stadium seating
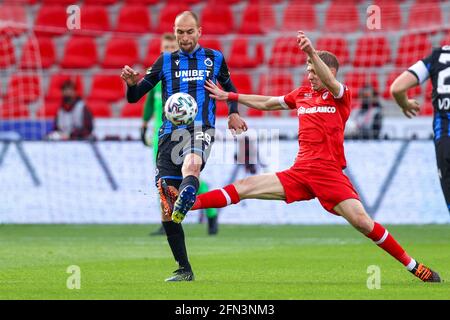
x=257, y=19
x=120, y=51
x=7, y=52
x=213, y=23
x=55, y=83
x=372, y=52
x=109, y=88
x=79, y=52
x=134, y=18
x=38, y=53
x=239, y=56
x=299, y=16
x=256, y=36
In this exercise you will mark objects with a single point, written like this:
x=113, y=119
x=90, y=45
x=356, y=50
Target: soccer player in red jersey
x=322, y=108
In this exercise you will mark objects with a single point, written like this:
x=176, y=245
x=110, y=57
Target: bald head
x=187, y=31
x=187, y=15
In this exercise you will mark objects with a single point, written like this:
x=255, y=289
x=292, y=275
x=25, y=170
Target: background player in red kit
x=322, y=108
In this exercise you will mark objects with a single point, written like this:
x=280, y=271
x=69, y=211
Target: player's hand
x=304, y=43
x=216, y=92
x=236, y=124
x=143, y=136
x=411, y=109
x=130, y=76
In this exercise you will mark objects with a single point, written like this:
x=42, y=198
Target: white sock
x=411, y=264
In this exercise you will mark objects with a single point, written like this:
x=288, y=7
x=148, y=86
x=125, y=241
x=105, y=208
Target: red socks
x=218, y=198
x=384, y=240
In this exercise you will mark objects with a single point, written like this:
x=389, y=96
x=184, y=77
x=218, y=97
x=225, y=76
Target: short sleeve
x=421, y=69
x=288, y=101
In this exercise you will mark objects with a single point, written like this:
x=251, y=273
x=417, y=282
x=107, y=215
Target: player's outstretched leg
x=265, y=186
x=353, y=211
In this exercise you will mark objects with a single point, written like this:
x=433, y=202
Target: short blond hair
x=328, y=58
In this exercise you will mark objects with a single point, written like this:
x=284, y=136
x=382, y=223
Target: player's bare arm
x=399, y=89
x=264, y=103
x=320, y=68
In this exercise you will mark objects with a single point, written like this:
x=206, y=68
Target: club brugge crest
x=208, y=62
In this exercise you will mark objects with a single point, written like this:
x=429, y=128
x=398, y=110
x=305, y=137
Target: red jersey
x=322, y=119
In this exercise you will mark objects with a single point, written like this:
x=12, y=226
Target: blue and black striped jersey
x=183, y=72
x=436, y=67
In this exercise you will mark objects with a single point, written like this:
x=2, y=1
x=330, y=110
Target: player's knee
x=362, y=222
x=243, y=187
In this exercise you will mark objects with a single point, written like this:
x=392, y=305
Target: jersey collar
x=192, y=54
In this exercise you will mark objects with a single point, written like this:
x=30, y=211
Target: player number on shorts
x=203, y=136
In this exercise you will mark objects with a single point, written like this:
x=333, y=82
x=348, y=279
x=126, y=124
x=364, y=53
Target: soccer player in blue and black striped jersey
x=435, y=67
x=183, y=150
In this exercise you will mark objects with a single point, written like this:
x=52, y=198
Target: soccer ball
x=181, y=109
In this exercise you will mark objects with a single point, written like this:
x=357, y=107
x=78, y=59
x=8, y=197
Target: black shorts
x=442, y=147
x=173, y=148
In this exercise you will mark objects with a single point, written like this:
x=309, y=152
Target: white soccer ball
x=181, y=109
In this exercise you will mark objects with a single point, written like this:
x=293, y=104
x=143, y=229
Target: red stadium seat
x=167, y=16
x=299, y=16
x=411, y=49
x=134, y=18
x=445, y=40
x=21, y=1
x=56, y=81
x=7, y=53
x=275, y=84
x=94, y=19
x=372, y=52
x=356, y=80
x=133, y=110
x=255, y=113
x=414, y=92
x=221, y=109
x=120, y=51
x=342, y=17
x=49, y=109
x=337, y=46
x=38, y=53
x=426, y=109
x=211, y=43
x=66, y=2
x=99, y=108
x=146, y=2
x=14, y=110
x=80, y=52
x=153, y=52
x=102, y=2
x=239, y=56
x=243, y=82
x=391, y=16
x=110, y=88
x=23, y=88
x=213, y=23
x=257, y=19
x=51, y=20
x=12, y=13
x=425, y=15
x=285, y=53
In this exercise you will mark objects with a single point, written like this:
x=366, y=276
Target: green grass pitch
x=241, y=262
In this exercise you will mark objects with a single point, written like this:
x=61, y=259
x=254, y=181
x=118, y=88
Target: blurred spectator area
x=37, y=51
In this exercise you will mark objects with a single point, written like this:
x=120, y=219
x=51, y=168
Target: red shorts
x=329, y=184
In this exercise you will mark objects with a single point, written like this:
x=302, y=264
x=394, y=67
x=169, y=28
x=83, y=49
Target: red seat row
x=82, y=52
x=258, y=17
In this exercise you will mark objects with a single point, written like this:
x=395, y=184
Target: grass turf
x=241, y=262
